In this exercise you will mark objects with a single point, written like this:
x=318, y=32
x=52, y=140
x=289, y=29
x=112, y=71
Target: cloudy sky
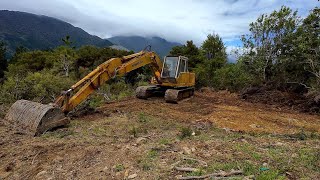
x=174, y=20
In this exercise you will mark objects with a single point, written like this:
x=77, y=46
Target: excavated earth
x=141, y=139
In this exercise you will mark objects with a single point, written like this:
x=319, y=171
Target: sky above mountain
x=174, y=20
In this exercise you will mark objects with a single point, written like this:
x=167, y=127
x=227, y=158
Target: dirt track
x=225, y=110
x=140, y=137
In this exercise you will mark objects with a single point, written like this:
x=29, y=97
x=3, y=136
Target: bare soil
x=145, y=138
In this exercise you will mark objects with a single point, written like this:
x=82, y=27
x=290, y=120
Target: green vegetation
x=185, y=132
x=42, y=75
x=281, y=49
x=119, y=167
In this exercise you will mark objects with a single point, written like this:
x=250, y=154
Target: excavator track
x=175, y=95
x=144, y=92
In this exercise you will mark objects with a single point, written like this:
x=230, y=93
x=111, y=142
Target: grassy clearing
x=164, y=142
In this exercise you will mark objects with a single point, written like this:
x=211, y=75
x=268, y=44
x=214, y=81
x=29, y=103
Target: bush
x=185, y=132
x=231, y=77
x=40, y=86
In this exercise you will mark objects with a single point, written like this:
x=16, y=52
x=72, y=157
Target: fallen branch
x=220, y=174
x=199, y=161
x=186, y=169
x=35, y=157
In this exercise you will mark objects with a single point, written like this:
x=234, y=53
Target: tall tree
x=214, y=51
x=213, y=56
x=189, y=50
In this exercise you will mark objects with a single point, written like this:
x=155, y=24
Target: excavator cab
x=177, y=82
x=173, y=66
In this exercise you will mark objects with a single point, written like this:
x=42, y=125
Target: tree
x=214, y=47
x=66, y=57
x=3, y=59
x=308, y=44
x=66, y=40
x=270, y=42
x=213, y=56
x=214, y=51
x=19, y=50
x=189, y=50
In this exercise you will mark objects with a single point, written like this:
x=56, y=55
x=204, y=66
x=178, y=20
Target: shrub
x=185, y=132
x=231, y=77
x=40, y=86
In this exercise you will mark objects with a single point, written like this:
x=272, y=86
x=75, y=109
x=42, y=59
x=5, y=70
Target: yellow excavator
x=171, y=78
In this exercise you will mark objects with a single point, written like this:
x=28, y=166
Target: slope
x=41, y=32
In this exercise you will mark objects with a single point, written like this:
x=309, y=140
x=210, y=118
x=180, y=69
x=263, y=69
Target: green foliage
x=134, y=131
x=189, y=50
x=213, y=47
x=282, y=48
x=42, y=75
x=185, y=132
x=40, y=86
x=119, y=167
x=232, y=77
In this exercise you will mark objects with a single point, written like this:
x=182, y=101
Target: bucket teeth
x=33, y=118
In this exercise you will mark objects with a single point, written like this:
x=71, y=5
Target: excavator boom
x=171, y=79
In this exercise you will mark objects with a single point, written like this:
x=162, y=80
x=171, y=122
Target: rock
x=178, y=176
x=243, y=140
x=140, y=140
x=126, y=174
x=186, y=150
x=294, y=155
x=265, y=164
x=193, y=149
x=41, y=173
x=105, y=169
x=279, y=144
x=254, y=126
x=227, y=129
x=132, y=176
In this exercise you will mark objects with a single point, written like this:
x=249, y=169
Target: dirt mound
x=302, y=102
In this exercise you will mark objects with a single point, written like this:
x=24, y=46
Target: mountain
x=138, y=43
x=41, y=32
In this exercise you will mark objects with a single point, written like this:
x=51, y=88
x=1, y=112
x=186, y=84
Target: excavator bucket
x=33, y=118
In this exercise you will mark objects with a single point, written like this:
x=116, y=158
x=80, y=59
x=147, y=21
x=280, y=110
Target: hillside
x=137, y=43
x=41, y=32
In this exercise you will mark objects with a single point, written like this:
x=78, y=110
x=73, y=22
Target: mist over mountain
x=137, y=43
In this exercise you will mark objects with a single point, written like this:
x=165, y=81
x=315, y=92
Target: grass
x=235, y=150
x=119, y=167
x=185, y=132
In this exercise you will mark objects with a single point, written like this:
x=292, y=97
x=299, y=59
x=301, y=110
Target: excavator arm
x=69, y=99
x=35, y=118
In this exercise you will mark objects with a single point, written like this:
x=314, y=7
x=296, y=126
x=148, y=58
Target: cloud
x=177, y=20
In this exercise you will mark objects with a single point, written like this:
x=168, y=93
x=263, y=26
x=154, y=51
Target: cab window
x=170, y=66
